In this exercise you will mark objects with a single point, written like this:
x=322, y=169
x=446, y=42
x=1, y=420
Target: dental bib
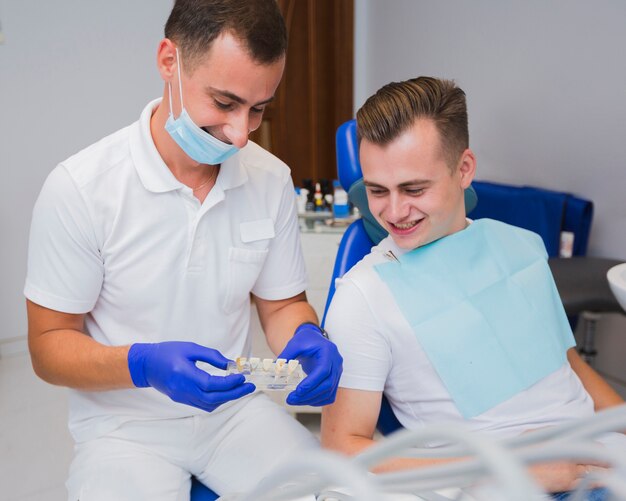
x=484, y=307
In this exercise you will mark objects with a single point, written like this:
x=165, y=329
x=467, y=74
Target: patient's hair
x=258, y=24
x=396, y=106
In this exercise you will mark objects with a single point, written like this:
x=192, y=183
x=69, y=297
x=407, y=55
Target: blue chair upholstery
x=200, y=492
x=545, y=212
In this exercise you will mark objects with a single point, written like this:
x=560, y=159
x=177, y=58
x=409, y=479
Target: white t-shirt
x=117, y=236
x=382, y=353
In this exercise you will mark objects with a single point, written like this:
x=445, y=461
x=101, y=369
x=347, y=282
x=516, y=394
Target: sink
x=617, y=282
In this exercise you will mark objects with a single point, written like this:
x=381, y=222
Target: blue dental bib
x=484, y=307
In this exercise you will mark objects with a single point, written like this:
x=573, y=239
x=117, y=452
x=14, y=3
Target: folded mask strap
x=180, y=87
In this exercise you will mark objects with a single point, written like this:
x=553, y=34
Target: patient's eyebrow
x=414, y=182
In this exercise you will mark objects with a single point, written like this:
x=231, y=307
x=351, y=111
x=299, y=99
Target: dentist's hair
x=395, y=107
x=258, y=24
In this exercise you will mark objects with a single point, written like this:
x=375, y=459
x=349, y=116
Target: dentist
x=145, y=249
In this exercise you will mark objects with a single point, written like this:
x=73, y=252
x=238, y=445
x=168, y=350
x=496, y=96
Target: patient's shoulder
x=363, y=271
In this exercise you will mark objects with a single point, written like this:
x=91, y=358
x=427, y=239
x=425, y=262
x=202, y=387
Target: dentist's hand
x=170, y=367
x=321, y=361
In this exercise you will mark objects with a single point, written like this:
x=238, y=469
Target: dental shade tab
x=268, y=374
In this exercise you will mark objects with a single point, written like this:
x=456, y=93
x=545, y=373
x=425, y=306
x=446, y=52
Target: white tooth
x=280, y=363
x=241, y=361
x=292, y=365
x=267, y=364
x=254, y=362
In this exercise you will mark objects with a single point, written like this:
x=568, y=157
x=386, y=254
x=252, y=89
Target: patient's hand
x=562, y=476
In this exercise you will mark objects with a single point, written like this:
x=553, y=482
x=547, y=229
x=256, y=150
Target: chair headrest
x=348, y=165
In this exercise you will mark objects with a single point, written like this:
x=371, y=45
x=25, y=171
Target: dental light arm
x=508, y=471
x=328, y=469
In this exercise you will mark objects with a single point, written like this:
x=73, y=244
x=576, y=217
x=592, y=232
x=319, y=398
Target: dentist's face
x=227, y=92
x=411, y=190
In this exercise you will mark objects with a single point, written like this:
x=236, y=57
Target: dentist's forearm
x=280, y=319
x=71, y=358
x=62, y=354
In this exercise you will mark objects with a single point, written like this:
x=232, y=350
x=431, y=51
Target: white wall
x=546, y=87
x=71, y=71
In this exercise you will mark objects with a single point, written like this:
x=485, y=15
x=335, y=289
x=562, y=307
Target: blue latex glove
x=170, y=367
x=320, y=360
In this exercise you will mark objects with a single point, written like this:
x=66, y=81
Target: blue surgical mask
x=195, y=142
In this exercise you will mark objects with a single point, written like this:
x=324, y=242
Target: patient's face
x=411, y=191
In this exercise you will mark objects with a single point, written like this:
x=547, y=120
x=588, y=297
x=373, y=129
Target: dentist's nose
x=237, y=130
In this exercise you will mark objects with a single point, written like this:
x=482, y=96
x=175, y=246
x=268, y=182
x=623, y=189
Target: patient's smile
x=405, y=226
x=401, y=229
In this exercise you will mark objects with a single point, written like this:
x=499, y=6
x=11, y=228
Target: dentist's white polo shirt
x=116, y=236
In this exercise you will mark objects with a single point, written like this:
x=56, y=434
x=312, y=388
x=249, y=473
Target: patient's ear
x=467, y=168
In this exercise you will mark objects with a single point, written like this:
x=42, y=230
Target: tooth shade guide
x=280, y=364
x=268, y=374
x=292, y=366
x=243, y=366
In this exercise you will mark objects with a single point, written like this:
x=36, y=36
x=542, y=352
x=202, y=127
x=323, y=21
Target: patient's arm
x=602, y=394
x=348, y=427
x=348, y=424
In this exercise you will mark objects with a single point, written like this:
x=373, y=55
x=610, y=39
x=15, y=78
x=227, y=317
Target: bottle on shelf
x=302, y=195
x=318, y=198
x=328, y=202
x=308, y=188
x=327, y=193
x=341, y=207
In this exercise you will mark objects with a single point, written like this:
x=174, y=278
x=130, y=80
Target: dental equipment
x=268, y=374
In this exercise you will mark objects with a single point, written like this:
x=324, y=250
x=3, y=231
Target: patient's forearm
x=553, y=477
x=396, y=464
x=601, y=392
x=354, y=445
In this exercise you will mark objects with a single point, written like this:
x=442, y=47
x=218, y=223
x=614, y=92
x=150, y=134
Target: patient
x=455, y=321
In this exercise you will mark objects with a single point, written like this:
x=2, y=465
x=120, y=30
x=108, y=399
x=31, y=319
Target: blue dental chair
x=200, y=492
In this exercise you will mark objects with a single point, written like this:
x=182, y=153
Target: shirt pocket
x=261, y=229
x=244, y=267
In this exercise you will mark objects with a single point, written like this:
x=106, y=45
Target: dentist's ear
x=166, y=60
x=467, y=168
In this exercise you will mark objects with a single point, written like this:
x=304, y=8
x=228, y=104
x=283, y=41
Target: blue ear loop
x=195, y=142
